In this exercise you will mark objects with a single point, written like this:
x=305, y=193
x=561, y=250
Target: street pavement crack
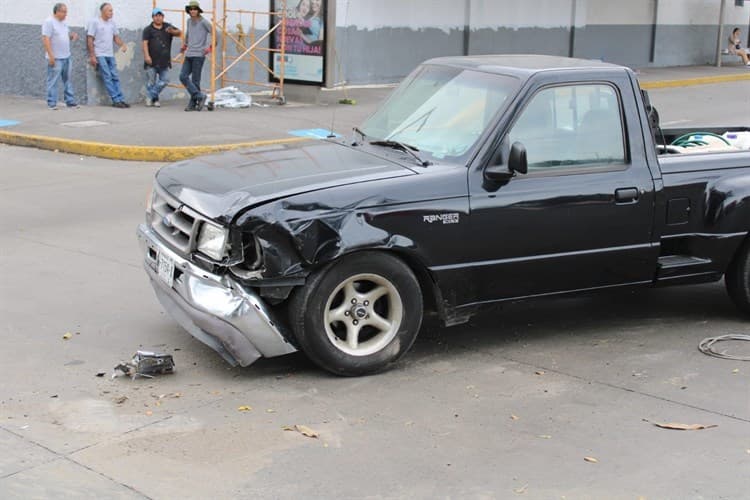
x=622, y=388
x=60, y=457
x=76, y=251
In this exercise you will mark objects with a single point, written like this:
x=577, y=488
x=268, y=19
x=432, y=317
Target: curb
x=130, y=153
x=703, y=80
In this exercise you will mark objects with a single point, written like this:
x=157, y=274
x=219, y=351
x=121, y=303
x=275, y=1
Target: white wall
x=129, y=14
x=637, y=12
x=702, y=12
x=451, y=14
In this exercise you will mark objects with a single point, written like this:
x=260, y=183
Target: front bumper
x=214, y=309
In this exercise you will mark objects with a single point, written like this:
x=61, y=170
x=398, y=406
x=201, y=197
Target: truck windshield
x=440, y=110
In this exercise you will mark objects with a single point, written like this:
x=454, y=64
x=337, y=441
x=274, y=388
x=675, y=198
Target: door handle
x=626, y=195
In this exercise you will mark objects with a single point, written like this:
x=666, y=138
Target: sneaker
x=149, y=102
x=156, y=103
x=74, y=106
x=748, y=63
x=200, y=102
x=52, y=108
x=124, y=104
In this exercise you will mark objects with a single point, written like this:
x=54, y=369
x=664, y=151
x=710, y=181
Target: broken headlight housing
x=212, y=241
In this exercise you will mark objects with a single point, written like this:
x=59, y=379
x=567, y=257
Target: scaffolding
x=253, y=45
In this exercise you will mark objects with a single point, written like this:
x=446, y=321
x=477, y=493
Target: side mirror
x=517, y=159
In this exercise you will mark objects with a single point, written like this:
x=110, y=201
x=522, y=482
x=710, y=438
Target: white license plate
x=166, y=269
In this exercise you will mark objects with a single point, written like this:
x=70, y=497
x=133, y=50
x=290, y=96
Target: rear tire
x=359, y=314
x=737, y=278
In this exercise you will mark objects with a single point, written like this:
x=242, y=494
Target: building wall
x=614, y=31
x=382, y=41
x=23, y=54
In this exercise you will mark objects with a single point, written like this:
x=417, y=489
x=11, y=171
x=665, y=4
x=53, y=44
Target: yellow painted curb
x=132, y=153
x=703, y=80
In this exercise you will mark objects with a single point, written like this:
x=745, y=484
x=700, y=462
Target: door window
x=571, y=126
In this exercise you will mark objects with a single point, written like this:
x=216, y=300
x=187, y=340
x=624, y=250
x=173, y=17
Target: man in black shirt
x=157, y=55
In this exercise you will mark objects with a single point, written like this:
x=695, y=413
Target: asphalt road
x=508, y=406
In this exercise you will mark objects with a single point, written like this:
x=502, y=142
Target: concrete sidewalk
x=169, y=133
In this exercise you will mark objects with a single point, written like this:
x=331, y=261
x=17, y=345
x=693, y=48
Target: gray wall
x=380, y=55
x=387, y=54
x=24, y=67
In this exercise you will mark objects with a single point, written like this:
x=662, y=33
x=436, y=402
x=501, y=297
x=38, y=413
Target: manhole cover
x=85, y=123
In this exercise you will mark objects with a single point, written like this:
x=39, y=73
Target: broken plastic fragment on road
x=681, y=427
x=146, y=364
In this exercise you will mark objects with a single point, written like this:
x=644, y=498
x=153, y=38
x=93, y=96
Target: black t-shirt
x=159, y=45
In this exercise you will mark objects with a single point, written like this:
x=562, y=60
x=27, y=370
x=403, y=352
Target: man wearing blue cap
x=157, y=55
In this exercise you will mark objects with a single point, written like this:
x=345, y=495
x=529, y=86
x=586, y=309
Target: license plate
x=166, y=269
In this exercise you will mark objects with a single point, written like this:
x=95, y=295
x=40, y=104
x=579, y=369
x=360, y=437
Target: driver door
x=582, y=216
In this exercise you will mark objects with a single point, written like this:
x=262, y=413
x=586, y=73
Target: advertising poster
x=304, y=59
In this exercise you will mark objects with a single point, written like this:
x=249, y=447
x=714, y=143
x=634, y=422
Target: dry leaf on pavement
x=67, y=336
x=244, y=408
x=591, y=460
x=302, y=429
x=681, y=427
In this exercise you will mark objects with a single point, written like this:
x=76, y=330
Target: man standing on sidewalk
x=157, y=55
x=101, y=32
x=56, y=38
x=196, y=46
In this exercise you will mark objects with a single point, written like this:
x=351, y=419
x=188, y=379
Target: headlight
x=212, y=241
x=149, y=199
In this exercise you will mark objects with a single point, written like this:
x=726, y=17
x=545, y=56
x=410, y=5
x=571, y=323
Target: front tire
x=737, y=278
x=359, y=314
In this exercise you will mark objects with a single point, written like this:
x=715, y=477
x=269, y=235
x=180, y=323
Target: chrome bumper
x=214, y=309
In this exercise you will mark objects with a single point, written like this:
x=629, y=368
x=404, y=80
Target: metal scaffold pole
x=257, y=53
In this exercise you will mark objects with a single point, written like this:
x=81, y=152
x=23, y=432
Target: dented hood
x=220, y=185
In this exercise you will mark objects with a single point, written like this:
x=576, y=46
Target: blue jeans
x=192, y=67
x=156, y=80
x=61, y=70
x=108, y=69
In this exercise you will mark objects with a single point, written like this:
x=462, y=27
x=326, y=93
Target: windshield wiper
x=362, y=134
x=403, y=147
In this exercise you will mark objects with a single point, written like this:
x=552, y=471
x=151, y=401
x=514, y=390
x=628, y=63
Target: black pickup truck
x=480, y=180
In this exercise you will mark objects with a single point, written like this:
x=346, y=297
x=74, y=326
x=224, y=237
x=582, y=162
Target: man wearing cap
x=157, y=55
x=101, y=32
x=56, y=38
x=196, y=46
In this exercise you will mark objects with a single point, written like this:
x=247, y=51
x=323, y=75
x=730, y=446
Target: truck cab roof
x=522, y=65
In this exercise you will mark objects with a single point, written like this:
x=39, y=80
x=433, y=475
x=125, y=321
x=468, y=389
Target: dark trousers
x=190, y=75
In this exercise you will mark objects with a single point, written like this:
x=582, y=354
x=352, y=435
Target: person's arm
x=174, y=31
x=90, y=34
x=184, y=47
x=144, y=46
x=209, y=39
x=120, y=43
x=90, y=45
x=146, y=55
x=48, y=49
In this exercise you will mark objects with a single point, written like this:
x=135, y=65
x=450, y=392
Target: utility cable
x=706, y=346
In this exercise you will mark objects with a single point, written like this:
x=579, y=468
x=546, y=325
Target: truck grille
x=177, y=224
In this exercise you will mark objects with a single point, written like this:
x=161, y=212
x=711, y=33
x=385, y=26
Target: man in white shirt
x=56, y=38
x=101, y=32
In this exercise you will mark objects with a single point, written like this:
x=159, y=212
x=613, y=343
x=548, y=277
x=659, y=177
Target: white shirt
x=104, y=33
x=59, y=37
